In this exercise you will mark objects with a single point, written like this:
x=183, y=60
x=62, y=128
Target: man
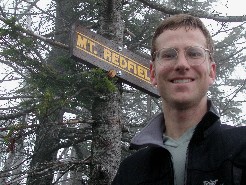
x=186, y=144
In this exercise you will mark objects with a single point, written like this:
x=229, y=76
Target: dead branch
x=34, y=35
x=197, y=13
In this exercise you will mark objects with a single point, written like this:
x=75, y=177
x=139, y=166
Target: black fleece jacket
x=216, y=155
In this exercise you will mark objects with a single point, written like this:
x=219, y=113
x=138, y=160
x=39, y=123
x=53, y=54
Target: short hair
x=182, y=20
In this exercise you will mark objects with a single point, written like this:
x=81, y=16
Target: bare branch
x=42, y=38
x=235, y=94
x=16, y=115
x=197, y=13
x=86, y=124
x=15, y=97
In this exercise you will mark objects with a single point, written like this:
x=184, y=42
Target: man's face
x=179, y=82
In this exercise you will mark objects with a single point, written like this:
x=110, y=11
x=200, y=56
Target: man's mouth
x=180, y=81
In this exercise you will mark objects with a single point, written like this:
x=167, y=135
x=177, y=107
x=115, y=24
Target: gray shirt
x=178, y=150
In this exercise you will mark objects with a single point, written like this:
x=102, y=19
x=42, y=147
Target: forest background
x=64, y=123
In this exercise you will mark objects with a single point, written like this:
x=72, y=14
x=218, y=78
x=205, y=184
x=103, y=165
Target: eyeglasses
x=194, y=55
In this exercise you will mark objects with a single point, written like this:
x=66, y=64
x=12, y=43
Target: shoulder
x=234, y=139
x=234, y=132
x=233, y=135
x=147, y=154
x=145, y=164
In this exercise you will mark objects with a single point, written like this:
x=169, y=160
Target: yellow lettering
x=81, y=41
x=92, y=46
x=115, y=58
x=146, y=74
x=140, y=71
x=107, y=54
x=123, y=62
x=132, y=65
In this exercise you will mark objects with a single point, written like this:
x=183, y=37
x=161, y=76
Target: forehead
x=181, y=38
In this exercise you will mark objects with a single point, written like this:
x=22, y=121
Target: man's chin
x=180, y=103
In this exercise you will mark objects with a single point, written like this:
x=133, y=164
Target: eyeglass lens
x=194, y=55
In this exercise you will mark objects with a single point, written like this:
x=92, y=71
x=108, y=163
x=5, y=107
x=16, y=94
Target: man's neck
x=178, y=121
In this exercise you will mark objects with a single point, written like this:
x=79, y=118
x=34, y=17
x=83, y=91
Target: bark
x=111, y=24
x=106, y=142
x=6, y=171
x=12, y=168
x=45, y=152
x=76, y=176
x=47, y=135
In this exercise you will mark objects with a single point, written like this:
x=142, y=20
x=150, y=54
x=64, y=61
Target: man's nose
x=182, y=63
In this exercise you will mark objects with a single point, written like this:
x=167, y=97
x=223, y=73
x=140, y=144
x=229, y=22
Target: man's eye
x=195, y=54
x=168, y=55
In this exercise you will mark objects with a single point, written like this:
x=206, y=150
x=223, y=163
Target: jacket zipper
x=186, y=166
x=171, y=166
x=187, y=162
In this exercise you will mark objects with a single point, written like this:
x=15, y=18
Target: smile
x=182, y=81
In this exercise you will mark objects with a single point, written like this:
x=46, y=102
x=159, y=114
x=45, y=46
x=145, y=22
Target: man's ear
x=152, y=73
x=212, y=73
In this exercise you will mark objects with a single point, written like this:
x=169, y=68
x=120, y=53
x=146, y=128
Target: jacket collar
x=152, y=133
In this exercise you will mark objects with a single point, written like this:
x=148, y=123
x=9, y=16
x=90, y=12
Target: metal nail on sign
x=95, y=50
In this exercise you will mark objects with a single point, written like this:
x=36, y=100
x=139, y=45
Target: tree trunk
x=12, y=168
x=45, y=151
x=47, y=136
x=106, y=142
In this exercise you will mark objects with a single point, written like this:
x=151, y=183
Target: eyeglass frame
x=177, y=52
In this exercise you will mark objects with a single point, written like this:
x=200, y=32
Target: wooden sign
x=95, y=50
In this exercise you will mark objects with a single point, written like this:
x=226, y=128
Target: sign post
x=95, y=50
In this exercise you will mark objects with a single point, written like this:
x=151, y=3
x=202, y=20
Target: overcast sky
x=226, y=7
